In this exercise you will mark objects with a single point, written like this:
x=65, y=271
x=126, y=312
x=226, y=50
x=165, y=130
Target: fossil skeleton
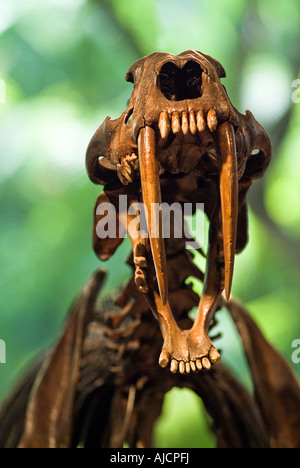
x=180, y=140
x=99, y=385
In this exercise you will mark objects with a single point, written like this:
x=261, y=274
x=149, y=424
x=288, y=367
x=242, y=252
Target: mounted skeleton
x=180, y=140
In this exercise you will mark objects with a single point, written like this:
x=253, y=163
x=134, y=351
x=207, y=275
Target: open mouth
x=183, y=132
x=181, y=126
x=179, y=139
x=228, y=184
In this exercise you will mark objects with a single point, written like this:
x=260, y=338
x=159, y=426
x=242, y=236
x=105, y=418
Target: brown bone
x=229, y=198
x=149, y=170
x=181, y=140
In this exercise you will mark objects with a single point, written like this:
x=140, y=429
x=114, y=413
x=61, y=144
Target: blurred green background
x=62, y=69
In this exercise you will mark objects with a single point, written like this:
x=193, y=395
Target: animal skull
x=181, y=125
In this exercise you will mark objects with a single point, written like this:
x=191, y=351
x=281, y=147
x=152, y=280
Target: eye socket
x=178, y=84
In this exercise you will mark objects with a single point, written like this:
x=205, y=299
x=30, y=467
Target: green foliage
x=183, y=423
x=63, y=64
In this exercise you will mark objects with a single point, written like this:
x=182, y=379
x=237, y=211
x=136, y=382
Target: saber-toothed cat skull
x=180, y=139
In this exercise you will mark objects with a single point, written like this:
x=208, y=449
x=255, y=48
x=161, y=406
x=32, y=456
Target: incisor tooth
x=200, y=121
x=174, y=366
x=198, y=364
x=184, y=123
x=193, y=366
x=212, y=120
x=175, y=122
x=181, y=367
x=164, y=124
x=206, y=363
x=193, y=125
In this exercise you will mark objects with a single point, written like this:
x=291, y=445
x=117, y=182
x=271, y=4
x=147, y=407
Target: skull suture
x=180, y=139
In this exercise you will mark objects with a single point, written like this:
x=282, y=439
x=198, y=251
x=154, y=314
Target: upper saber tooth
x=200, y=121
x=229, y=197
x=164, y=124
x=184, y=123
x=175, y=122
x=149, y=169
x=212, y=120
x=193, y=124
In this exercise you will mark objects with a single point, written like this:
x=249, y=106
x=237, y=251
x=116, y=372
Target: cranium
x=180, y=139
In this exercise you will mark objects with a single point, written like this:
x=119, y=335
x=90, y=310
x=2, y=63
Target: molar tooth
x=126, y=163
x=193, y=124
x=175, y=122
x=124, y=174
x=201, y=121
x=127, y=173
x=133, y=157
x=184, y=123
x=164, y=124
x=212, y=120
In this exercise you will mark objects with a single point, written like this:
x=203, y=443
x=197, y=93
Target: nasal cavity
x=178, y=84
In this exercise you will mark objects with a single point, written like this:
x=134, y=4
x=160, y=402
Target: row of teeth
x=187, y=122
